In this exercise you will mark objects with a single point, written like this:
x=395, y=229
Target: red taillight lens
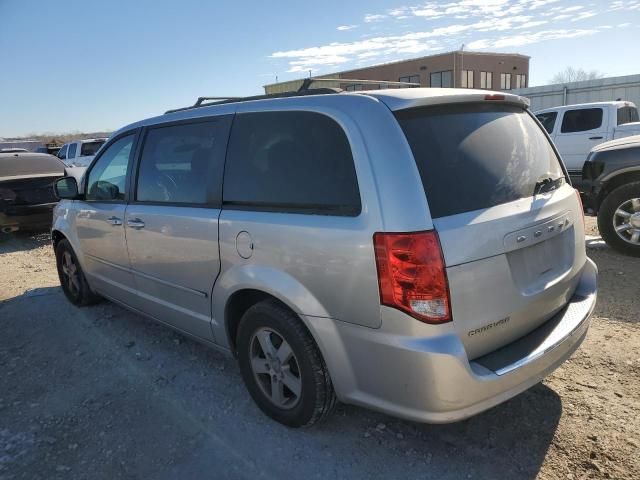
x=411, y=275
x=494, y=96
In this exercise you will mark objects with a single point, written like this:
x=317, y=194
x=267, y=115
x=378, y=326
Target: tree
x=571, y=74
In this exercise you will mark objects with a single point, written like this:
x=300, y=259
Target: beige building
x=491, y=71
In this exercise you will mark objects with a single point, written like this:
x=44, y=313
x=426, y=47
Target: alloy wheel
x=626, y=221
x=70, y=274
x=275, y=368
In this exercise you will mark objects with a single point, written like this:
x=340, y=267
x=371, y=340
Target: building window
x=442, y=79
x=467, y=79
x=505, y=81
x=410, y=79
x=354, y=87
x=521, y=81
x=486, y=80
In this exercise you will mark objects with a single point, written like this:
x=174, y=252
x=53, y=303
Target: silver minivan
x=419, y=252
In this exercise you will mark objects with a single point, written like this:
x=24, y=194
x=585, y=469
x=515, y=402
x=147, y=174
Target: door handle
x=595, y=138
x=114, y=221
x=135, y=223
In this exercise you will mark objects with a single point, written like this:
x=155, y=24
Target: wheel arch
x=617, y=180
x=244, y=286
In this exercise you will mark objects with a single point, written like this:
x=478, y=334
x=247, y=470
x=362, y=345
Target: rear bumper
x=430, y=379
x=27, y=216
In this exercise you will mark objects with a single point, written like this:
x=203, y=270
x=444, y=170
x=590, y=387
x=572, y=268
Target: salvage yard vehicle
x=576, y=129
x=26, y=190
x=80, y=152
x=611, y=186
x=415, y=251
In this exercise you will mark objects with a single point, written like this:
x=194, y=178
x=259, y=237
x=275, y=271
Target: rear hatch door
x=509, y=223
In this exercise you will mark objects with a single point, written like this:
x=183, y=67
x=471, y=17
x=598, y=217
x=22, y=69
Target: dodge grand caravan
x=415, y=251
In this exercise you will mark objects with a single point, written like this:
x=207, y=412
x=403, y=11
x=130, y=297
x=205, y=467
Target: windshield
x=90, y=148
x=475, y=156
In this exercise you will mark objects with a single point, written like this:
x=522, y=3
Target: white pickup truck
x=576, y=129
x=79, y=153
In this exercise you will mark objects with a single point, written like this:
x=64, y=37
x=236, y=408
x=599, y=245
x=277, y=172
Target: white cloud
x=584, y=15
x=531, y=24
x=370, y=17
x=529, y=38
x=481, y=24
x=572, y=9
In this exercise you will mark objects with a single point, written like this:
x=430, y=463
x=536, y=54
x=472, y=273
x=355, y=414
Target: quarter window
x=581, y=120
x=180, y=163
x=486, y=80
x=107, y=178
x=298, y=162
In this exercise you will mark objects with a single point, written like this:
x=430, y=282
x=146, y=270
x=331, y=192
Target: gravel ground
x=102, y=393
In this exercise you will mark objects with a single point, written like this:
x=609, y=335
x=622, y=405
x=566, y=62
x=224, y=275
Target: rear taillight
x=494, y=96
x=412, y=276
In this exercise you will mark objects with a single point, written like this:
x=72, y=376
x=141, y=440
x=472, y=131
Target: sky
x=86, y=65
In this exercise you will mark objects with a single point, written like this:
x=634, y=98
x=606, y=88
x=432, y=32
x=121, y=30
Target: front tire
x=72, y=279
x=282, y=366
x=619, y=219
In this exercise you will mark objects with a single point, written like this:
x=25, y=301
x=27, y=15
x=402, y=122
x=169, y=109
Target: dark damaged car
x=26, y=190
x=611, y=190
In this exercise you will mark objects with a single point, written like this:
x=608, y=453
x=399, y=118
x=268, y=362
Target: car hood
x=624, y=142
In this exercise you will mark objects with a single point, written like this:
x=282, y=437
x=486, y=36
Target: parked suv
x=415, y=251
x=611, y=186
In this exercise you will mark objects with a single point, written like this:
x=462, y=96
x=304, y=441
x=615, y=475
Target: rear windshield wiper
x=548, y=184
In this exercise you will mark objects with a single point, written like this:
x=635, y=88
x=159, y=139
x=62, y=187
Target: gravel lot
x=102, y=393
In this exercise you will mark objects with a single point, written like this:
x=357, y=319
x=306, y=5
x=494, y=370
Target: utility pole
x=462, y=64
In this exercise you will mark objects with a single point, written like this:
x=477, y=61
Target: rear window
x=476, y=156
x=627, y=115
x=581, y=120
x=90, y=148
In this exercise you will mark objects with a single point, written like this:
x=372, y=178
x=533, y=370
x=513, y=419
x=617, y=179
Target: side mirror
x=66, y=188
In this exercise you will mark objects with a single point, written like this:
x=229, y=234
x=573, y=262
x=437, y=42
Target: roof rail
x=351, y=81
x=224, y=100
x=303, y=90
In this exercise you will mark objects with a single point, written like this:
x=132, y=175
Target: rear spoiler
x=425, y=97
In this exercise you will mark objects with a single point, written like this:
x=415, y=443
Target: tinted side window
x=581, y=120
x=548, y=120
x=290, y=162
x=107, y=178
x=181, y=163
x=72, y=150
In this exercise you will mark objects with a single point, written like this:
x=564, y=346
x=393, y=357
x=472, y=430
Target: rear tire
x=623, y=200
x=72, y=279
x=269, y=325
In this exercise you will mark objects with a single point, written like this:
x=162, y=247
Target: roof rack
x=351, y=81
x=302, y=91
